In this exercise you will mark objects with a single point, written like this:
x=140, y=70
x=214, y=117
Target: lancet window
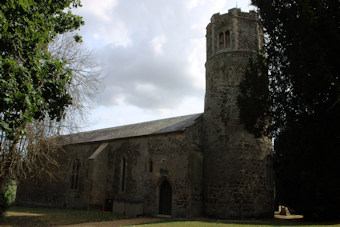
x=75, y=174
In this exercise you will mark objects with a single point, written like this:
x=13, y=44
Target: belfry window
x=75, y=174
x=221, y=39
x=227, y=39
x=150, y=166
x=123, y=173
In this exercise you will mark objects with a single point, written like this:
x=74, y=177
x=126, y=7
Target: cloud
x=153, y=51
x=158, y=43
x=193, y=3
x=145, y=80
x=102, y=24
x=102, y=10
x=160, y=67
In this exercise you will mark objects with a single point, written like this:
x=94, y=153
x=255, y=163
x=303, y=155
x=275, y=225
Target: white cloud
x=193, y=3
x=102, y=24
x=118, y=35
x=101, y=10
x=195, y=67
x=157, y=43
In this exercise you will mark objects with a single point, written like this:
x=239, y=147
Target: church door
x=165, y=198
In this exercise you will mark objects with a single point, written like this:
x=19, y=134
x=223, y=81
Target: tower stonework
x=237, y=166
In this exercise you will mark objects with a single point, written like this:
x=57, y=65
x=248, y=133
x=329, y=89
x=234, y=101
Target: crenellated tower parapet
x=234, y=31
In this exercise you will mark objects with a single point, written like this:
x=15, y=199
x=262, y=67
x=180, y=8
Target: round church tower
x=237, y=166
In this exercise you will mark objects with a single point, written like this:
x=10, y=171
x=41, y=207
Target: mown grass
x=250, y=223
x=24, y=216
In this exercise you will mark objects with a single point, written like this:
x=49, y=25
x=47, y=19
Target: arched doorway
x=165, y=198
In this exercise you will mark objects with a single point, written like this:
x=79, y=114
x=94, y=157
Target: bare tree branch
x=34, y=151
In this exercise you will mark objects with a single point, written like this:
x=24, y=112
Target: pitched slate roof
x=174, y=124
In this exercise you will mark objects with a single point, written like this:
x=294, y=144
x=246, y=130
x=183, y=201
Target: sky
x=152, y=54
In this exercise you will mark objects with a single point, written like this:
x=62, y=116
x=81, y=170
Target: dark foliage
x=33, y=83
x=254, y=96
x=3, y=205
x=7, y=196
x=302, y=48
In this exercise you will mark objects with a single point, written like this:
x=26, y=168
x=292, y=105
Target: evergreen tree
x=303, y=111
x=33, y=83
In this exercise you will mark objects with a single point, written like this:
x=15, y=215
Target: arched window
x=122, y=187
x=75, y=174
x=221, y=40
x=227, y=39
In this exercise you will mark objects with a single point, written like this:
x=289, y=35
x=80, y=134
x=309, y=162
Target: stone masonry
x=234, y=161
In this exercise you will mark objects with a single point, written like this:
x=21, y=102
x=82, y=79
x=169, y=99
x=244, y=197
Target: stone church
x=197, y=165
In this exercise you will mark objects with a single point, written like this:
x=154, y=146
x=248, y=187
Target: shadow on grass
x=23, y=216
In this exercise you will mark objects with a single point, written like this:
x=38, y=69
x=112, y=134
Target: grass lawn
x=23, y=216
x=234, y=223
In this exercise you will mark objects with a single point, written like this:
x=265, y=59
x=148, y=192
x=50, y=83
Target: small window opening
x=227, y=39
x=75, y=174
x=150, y=166
x=123, y=173
x=221, y=39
